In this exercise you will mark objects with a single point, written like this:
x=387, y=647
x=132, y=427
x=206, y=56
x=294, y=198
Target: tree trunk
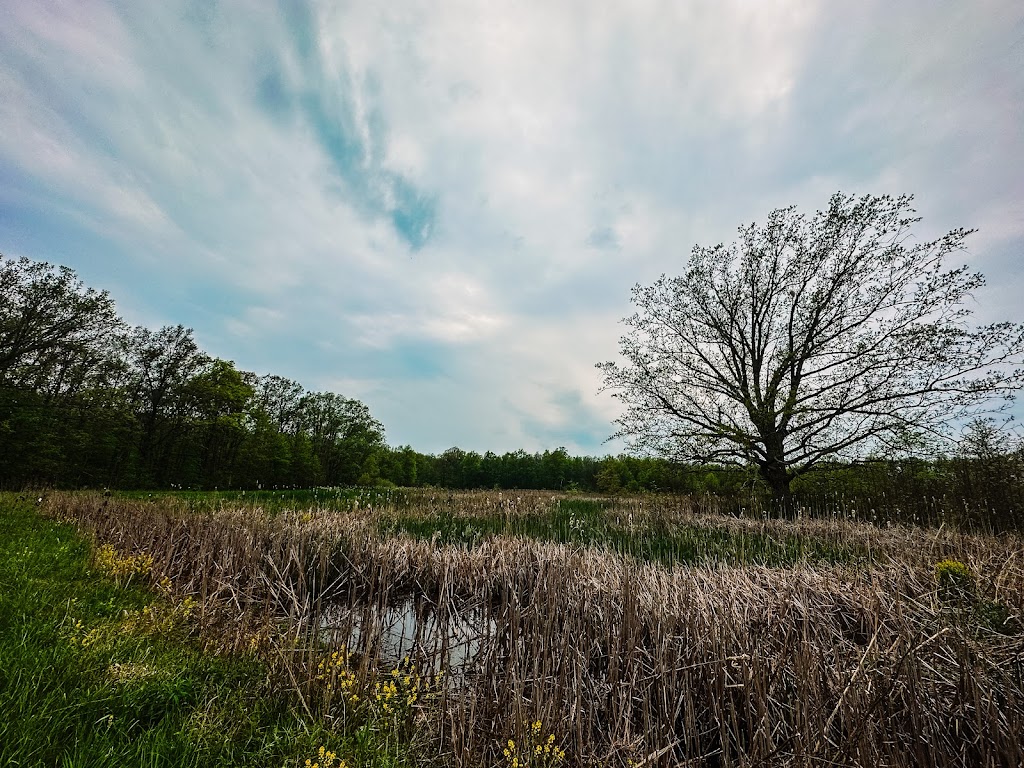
x=778, y=478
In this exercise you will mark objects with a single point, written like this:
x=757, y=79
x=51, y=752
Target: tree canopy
x=810, y=338
x=54, y=331
x=87, y=400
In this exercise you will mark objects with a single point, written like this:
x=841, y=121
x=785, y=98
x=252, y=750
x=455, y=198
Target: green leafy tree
x=162, y=363
x=305, y=468
x=218, y=396
x=279, y=398
x=810, y=338
x=471, y=470
x=555, y=467
x=609, y=478
x=449, y=467
x=342, y=434
x=265, y=456
x=59, y=369
x=52, y=327
x=408, y=463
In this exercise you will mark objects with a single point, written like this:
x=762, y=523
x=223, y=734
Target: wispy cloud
x=440, y=208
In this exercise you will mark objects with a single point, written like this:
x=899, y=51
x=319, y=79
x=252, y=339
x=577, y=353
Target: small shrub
x=338, y=678
x=325, y=759
x=396, y=694
x=955, y=580
x=536, y=752
x=996, y=617
x=166, y=618
x=121, y=567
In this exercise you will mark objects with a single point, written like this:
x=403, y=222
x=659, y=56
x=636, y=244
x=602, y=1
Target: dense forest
x=88, y=401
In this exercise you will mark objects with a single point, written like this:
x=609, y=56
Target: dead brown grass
x=624, y=660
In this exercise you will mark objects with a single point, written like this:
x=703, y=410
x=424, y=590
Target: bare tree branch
x=809, y=338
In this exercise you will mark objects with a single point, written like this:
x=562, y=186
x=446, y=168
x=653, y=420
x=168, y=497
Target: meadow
x=538, y=629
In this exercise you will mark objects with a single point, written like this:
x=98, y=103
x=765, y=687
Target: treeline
x=553, y=470
x=87, y=400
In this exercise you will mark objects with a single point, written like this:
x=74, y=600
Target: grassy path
x=94, y=672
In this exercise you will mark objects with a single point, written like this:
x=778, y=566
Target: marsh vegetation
x=649, y=630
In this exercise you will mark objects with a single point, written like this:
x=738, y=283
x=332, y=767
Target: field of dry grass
x=637, y=631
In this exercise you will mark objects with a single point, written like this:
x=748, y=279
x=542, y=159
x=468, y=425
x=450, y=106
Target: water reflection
x=432, y=638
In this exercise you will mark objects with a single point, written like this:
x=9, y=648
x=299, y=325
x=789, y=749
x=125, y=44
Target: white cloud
x=569, y=150
x=260, y=321
x=451, y=309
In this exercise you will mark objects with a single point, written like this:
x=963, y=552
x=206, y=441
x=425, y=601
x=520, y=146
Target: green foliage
x=959, y=590
x=86, y=401
x=996, y=617
x=593, y=523
x=55, y=333
x=955, y=580
x=607, y=479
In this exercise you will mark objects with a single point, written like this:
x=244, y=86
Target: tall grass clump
x=595, y=618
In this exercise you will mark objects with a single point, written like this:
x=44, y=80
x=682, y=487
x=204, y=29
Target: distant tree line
x=552, y=470
x=981, y=484
x=87, y=400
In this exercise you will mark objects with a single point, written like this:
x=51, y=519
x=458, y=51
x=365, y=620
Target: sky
x=440, y=208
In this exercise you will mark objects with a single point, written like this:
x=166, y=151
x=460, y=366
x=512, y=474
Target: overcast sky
x=440, y=208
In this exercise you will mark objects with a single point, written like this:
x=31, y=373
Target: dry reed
x=627, y=662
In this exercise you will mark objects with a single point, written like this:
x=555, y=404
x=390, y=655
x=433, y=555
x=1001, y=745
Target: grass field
x=532, y=629
x=99, y=668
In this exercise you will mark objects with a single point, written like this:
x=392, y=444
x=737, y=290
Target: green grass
x=276, y=500
x=81, y=685
x=587, y=522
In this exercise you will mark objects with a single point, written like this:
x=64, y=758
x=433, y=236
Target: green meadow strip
x=587, y=522
x=97, y=669
x=274, y=501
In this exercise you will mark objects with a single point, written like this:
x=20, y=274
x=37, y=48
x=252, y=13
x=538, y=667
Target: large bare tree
x=810, y=338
